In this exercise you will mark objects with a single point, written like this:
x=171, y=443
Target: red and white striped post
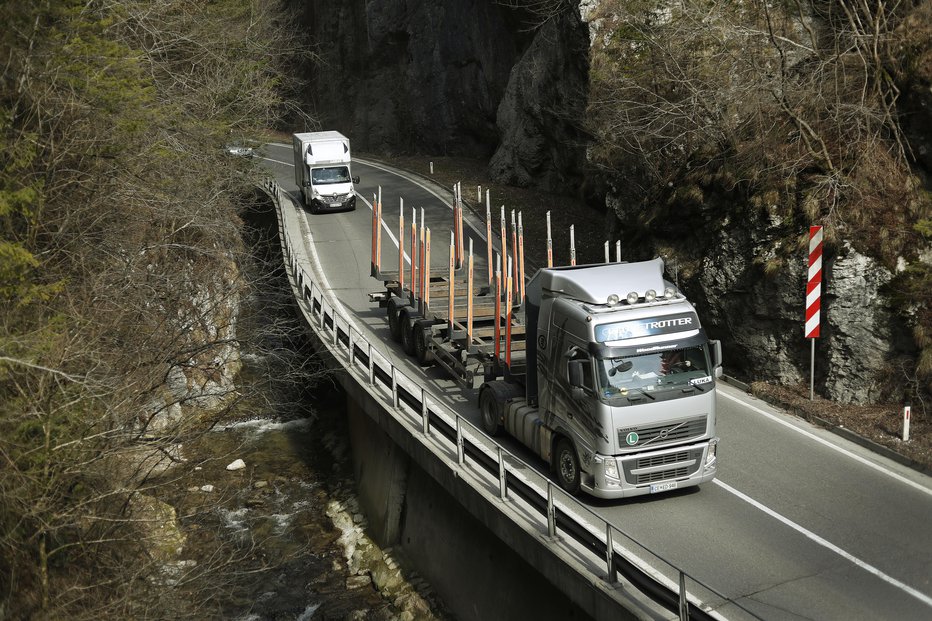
x=814, y=298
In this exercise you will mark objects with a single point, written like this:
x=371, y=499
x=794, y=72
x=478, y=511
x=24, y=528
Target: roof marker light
x=633, y=298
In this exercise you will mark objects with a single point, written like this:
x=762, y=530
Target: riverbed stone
x=358, y=581
x=157, y=522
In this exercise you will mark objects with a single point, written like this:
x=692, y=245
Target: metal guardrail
x=510, y=477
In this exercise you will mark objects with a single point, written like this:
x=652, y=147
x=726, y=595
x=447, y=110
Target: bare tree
x=122, y=269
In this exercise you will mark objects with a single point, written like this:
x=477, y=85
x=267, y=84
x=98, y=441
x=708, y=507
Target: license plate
x=662, y=487
x=335, y=205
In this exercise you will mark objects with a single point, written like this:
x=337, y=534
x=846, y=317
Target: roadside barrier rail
x=564, y=519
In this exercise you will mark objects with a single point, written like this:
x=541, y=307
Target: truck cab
x=623, y=380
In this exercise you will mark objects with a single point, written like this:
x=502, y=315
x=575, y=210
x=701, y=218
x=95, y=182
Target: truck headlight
x=611, y=467
x=710, y=458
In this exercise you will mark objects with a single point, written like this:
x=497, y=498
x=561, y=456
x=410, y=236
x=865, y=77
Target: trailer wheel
x=491, y=409
x=421, y=349
x=407, y=333
x=394, y=320
x=566, y=465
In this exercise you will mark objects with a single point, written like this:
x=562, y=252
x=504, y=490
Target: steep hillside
x=728, y=129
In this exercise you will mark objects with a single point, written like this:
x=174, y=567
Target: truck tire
x=421, y=346
x=394, y=320
x=492, y=409
x=407, y=332
x=566, y=466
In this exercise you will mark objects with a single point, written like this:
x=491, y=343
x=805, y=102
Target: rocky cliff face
x=472, y=78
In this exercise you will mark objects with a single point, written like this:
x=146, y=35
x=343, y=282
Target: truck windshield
x=332, y=174
x=653, y=374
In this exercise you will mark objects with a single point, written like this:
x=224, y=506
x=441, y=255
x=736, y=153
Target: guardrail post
x=684, y=603
x=394, y=389
x=502, y=490
x=611, y=577
x=551, y=512
x=371, y=366
x=425, y=418
x=350, y=354
x=460, y=452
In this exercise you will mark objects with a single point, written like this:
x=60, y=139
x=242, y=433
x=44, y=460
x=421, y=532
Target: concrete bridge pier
x=381, y=470
x=476, y=575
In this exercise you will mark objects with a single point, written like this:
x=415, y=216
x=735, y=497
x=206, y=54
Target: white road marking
x=925, y=599
x=408, y=179
x=835, y=447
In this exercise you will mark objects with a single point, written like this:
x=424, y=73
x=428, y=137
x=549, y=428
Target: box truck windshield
x=330, y=174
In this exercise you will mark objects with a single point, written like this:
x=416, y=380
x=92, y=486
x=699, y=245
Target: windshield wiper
x=643, y=392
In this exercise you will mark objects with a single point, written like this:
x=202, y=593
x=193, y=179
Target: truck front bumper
x=652, y=472
x=325, y=204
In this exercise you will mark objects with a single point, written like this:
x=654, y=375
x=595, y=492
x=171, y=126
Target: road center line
x=925, y=599
x=830, y=445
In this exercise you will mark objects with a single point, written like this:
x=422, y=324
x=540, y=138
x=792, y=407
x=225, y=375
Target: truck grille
x=660, y=435
x=669, y=466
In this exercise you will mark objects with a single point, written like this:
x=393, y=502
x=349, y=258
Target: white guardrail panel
x=586, y=539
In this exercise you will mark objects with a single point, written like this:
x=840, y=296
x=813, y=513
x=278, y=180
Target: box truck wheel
x=394, y=320
x=421, y=349
x=566, y=465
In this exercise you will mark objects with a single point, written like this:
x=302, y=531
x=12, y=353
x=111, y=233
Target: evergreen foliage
x=118, y=218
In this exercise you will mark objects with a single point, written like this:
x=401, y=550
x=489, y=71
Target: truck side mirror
x=716, y=357
x=355, y=179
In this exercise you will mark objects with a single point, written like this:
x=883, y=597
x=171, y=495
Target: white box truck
x=322, y=171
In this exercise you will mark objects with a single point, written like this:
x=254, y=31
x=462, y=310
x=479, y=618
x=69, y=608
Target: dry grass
x=881, y=424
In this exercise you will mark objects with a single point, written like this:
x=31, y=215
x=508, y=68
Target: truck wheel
x=407, y=333
x=566, y=465
x=491, y=411
x=394, y=321
x=421, y=349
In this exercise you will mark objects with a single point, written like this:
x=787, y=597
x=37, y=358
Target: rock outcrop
x=542, y=143
x=471, y=78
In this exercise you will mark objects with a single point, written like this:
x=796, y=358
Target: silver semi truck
x=602, y=370
x=618, y=390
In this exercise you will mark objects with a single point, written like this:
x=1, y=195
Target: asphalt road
x=799, y=524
